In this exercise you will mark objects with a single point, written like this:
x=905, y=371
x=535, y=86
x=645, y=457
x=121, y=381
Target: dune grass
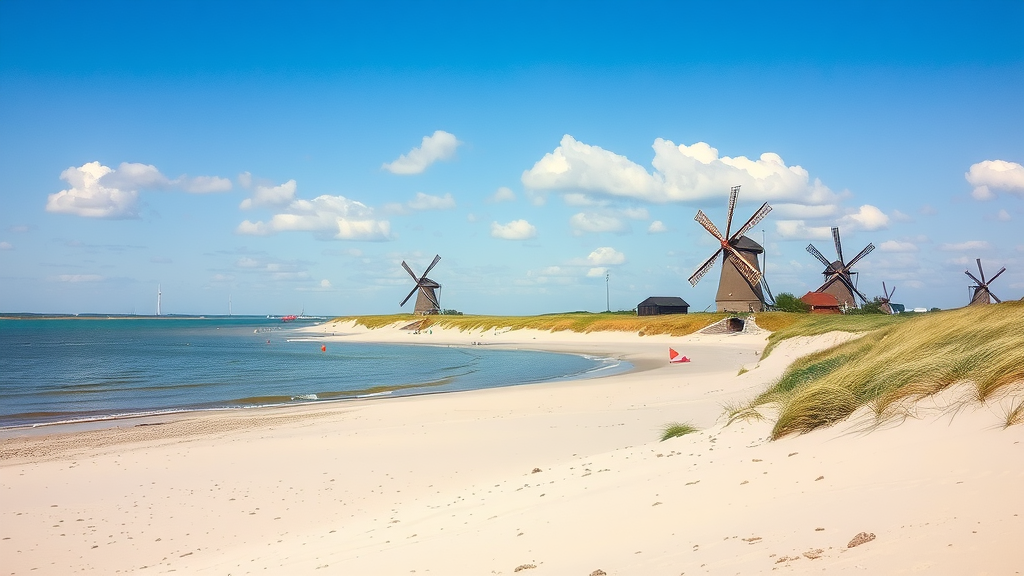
x=677, y=429
x=899, y=361
x=783, y=325
x=673, y=325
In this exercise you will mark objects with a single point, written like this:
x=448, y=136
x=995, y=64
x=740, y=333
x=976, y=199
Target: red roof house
x=821, y=303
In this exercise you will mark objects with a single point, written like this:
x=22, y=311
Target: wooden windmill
x=886, y=298
x=839, y=276
x=980, y=293
x=427, y=301
x=740, y=287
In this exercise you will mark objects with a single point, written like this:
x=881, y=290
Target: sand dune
x=558, y=478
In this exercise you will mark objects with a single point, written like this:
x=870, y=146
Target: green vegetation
x=786, y=302
x=678, y=429
x=898, y=361
x=785, y=325
x=623, y=321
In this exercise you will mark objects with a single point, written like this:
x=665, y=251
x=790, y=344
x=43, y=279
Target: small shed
x=657, y=305
x=821, y=302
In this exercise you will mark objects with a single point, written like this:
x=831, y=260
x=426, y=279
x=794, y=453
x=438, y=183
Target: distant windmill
x=980, y=294
x=885, y=299
x=838, y=276
x=740, y=287
x=427, y=302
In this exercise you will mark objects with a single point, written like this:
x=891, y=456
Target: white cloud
x=867, y=217
x=537, y=198
x=657, y=227
x=427, y=202
x=968, y=245
x=74, y=278
x=681, y=173
x=1003, y=216
x=584, y=222
x=636, y=213
x=514, y=230
x=333, y=217
x=897, y=246
x=998, y=174
x=245, y=180
x=577, y=199
x=901, y=217
x=325, y=283
x=439, y=146
x=606, y=256
x=799, y=230
x=596, y=272
x=471, y=217
x=6, y=246
x=503, y=194
x=204, y=184
x=271, y=196
x=20, y=228
x=801, y=211
x=89, y=197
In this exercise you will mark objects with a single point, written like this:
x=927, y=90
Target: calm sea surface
x=59, y=370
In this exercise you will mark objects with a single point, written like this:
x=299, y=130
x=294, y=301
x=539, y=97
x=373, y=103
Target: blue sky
x=290, y=157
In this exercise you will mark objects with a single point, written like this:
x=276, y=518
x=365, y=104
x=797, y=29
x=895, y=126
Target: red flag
x=675, y=358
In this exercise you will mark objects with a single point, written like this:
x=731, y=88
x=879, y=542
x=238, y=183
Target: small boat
x=288, y=318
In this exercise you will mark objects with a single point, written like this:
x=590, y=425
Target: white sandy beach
x=560, y=478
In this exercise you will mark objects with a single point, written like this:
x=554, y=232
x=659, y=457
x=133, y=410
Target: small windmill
x=839, y=276
x=980, y=294
x=427, y=301
x=885, y=299
x=740, y=287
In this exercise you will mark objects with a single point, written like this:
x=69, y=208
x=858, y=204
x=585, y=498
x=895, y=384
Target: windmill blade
x=409, y=296
x=867, y=250
x=998, y=301
x=980, y=270
x=757, y=217
x=432, y=297
x=976, y=281
x=885, y=292
x=437, y=258
x=753, y=275
x=767, y=290
x=704, y=221
x=891, y=293
x=830, y=281
x=849, y=284
x=704, y=268
x=992, y=279
x=733, y=194
x=814, y=252
x=409, y=270
x=839, y=245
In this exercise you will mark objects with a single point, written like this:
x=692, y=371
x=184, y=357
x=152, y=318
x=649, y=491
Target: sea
x=65, y=370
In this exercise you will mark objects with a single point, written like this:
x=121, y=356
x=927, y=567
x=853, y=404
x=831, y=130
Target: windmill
x=427, y=301
x=886, y=298
x=980, y=294
x=741, y=287
x=838, y=276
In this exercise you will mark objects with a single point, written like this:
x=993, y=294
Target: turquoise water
x=59, y=370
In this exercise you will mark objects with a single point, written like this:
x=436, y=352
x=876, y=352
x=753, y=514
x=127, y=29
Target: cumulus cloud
x=657, y=227
x=964, y=246
x=799, y=230
x=440, y=145
x=325, y=283
x=427, y=202
x=681, y=173
x=584, y=222
x=6, y=246
x=503, y=194
x=597, y=272
x=577, y=199
x=271, y=196
x=1003, y=216
x=334, y=217
x=514, y=230
x=98, y=191
x=995, y=174
x=897, y=246
x=867, y=217
x=606, y=256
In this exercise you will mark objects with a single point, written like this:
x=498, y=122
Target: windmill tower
x=886, y=298
x=427, y=301
x=838, y=276
x=159, y=296
x=740, y=287
x=980, y=293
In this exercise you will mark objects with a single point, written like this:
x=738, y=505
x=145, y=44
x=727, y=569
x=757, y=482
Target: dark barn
x=657, y=305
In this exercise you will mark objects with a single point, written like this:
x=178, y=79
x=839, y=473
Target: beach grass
x=896, y=363
x=676, y=429
x=783, y=325
x=585, y=322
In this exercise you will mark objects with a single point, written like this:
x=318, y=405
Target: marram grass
x=677, y=429
x=903, y=362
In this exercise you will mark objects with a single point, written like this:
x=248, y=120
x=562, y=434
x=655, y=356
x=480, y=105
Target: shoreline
x=567, y=477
